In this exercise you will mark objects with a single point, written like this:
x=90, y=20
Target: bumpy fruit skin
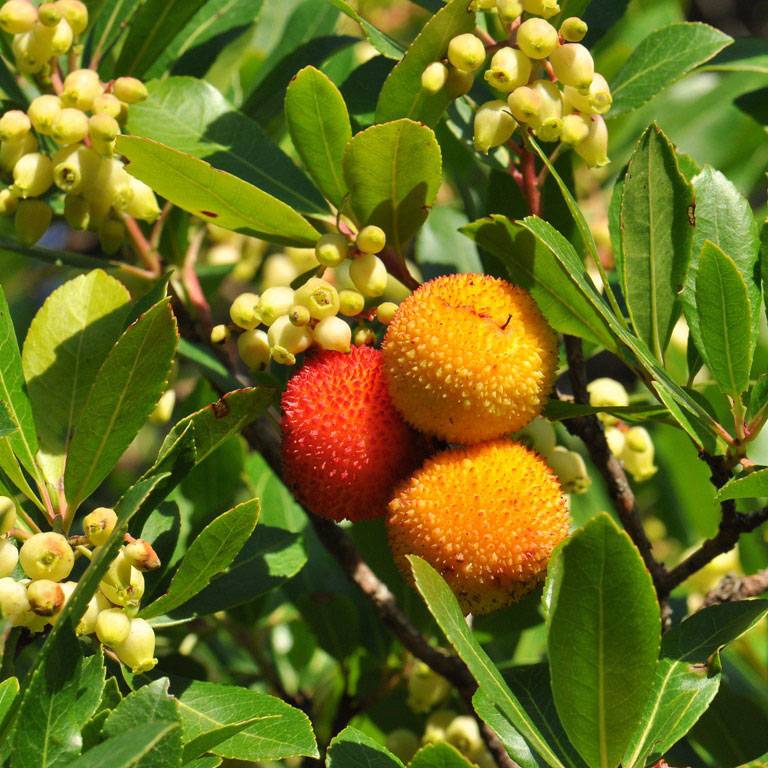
x=469, y=358
x=486, y=517
x=345, y=447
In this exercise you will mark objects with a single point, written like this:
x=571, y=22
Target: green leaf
x=439, y=756
x=149, y=704
x=14, y=397
x=65, y=258
x=193, y=117
x=353, y=749
x=65, y=346
x=561, y=410
x=393, y=172
x=594, y=639
x=154, y=25
x=211, y=553
x=747, y=54
x=444, y=607
x=442, y=248
x=216, y=422
x=128, y=385
x=656, y=235
x=281, y=731
x=533, y=266
x=153, y=745
x=683, y=687
x=197, y=45
x=7, y=425
x=724, y=218
x=402, y=94
x=9, y=689
x=60, y=699
x=725, y=318
x=215, y=196
x=663, y=58
x=319, y=125
x=751, y=486
x=209, y=761
x=207, y=741
x=209, y=365
x=382, y=42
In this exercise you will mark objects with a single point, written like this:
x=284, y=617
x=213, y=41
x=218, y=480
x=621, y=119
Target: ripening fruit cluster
x=282, y=322
x=444, y=726
x=545, y=80
x=467, y=359
x=633, y=446
x=84, y=122
x=46, y=560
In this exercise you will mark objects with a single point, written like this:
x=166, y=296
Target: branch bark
x=732, y=588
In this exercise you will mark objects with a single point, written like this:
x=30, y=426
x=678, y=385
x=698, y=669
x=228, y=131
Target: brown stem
x=530, y=181
x=731, y=588
x=589, y=429
x=144, y=250
x=397, y=267
x=192, y=285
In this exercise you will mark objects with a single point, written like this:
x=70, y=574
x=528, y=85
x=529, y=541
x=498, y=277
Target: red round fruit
x=345, y=447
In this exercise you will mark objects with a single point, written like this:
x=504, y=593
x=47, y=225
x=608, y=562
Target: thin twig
x=732, y=588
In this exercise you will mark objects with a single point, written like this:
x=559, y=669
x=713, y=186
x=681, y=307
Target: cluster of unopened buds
x=66, y=141
x=46, y=560
x=569, y=466
x=545, y=75
x=282, y=322
x=632, y=445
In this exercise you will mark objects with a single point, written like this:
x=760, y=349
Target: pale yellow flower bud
x=14, y=125
x=509, y=10
x=525, y=105
x=76, y=14
x=333, y=333
x=81, y=87
x=385, y=312
x=537, y=38
x=319, y=297
x=32, y=175
x=275, y=303
x=594, y=149
x=434, y=77
x=573, y=29
x=466, y=52
x=9, y=557
x=7, y=514
x=331, y=249
x=47, y=556
x=71, y=127
x=494, y=125
x=369, y=274
x=44, y=111
x=575, y=129
x=351, y=303
x=510, y=68
x=283, y=334
x=253, y=348
x=244, y=311
x=130, y=90
x=17, y=16
x=138, y=649
x=112, y=626
x=570, y=469
x=371, y=239
x=573, y=65
x=545, y=8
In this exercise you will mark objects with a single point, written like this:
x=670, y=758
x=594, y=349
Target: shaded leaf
x=592, y=638
x=393, y=172
x=751, y=486
x=213, y=195
x=381, y=41
x=65, y=346
x=439, y=756
x=352, y=749
x=9, y=689
x=656, y=236
x=663, y=58
x=129, y=383
x=320, y=129
x=402, y=94
x=149, y=704
x=191, y=116
x=153, y=745
x=725, y=319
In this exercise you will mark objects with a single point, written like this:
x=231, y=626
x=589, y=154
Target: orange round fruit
x=345, y=448
x=486, y=517
x=469, y=358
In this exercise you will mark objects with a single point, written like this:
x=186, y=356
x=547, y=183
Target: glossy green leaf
x=14, y=397
x=193, y=117
x=656, y=235
x=198, y=43
x=560, y=410
x=280, y=732
x=7, y=425
x=60, y=699
x=207, y=741
x=532, y=266
x=352, y=749
x=444, y=607
x=213, y=195
x=683, y=687
x=439, y=756
x=751, y=486
x=402, y=94
x=663, y=58
x=65, y=346
x=149, y=704
x=211, y=553
x=125, y=390
x=381, y=41
x=209, y=761
x=724, y=217
x=594, y=639
x=393, y=172
x=319, y=125
x=153, y=745
x=725, y=319
x=442, y=248
x=493, y=716
x=154, y=25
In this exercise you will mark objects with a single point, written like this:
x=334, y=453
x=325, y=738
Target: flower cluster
x=65, y=141
x=46, y=561
x=282, y=322
x=633, y=446
x=545, y=79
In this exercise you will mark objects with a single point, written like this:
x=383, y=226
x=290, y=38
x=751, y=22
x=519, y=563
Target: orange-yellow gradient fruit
x=469, y=358
x=345, y=447
x=486, y=517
